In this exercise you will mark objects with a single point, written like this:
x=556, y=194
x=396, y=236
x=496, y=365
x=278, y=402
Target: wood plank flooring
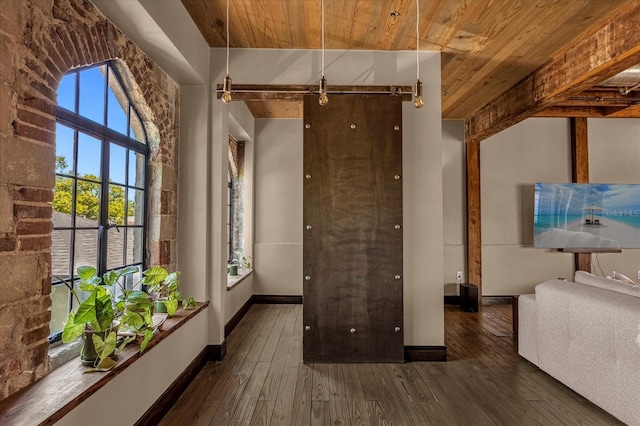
x=262, y=381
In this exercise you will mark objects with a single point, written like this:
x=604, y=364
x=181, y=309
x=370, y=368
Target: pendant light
x=226, y=86
x=323, y=99
x=418, y=101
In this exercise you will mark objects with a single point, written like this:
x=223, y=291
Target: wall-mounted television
x=586, y=216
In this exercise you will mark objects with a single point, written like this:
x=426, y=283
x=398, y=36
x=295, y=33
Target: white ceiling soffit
x=165, y=32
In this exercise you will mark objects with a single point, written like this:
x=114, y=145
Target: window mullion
x=104, y=209
x=77, y=99
x=74, y=190
x=145, y=209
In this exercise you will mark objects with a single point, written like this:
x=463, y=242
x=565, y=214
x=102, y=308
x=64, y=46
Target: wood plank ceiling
x=488, y=47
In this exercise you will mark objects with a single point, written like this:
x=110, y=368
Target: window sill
x=61, y=353
x=234, y=280
x=51, y=398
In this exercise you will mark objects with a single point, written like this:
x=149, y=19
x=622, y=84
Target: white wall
x=278, y=256
x=614, y=157
x=132, y=392
x=279, y=155
x=193, y=197
x=511, y=162
x=453, y=204
x=237, y=297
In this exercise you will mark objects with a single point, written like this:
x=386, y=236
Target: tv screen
x=586, y=216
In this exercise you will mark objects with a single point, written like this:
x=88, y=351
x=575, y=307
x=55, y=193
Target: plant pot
x=88, y=354
x=233, y=269
x=159, y=307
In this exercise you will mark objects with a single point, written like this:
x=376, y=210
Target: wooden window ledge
x=52, y=397
x=234, y=280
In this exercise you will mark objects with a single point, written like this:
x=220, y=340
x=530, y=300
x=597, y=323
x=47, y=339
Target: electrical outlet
x=459, y=276
x=638, y=275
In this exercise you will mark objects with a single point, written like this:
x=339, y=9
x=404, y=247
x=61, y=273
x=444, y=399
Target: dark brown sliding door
x=353, y=229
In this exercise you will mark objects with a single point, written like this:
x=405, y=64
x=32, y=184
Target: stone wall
x=41, y=40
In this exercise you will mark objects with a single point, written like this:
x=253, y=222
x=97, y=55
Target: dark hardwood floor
x=263, y=381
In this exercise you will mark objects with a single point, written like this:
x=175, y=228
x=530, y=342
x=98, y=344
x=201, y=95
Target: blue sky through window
x=92, y=85
x=67, y=92
x=91, y=104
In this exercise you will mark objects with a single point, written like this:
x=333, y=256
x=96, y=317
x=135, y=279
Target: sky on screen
x=575, y=198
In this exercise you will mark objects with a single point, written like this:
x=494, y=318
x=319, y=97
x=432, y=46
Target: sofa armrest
x=527, y=344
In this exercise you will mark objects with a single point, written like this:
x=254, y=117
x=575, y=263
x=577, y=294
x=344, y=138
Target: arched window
x=99, y=204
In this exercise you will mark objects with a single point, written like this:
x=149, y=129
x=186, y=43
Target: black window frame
x=230, y=216
x=107, y=136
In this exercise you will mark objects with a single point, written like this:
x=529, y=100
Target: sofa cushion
x=582, y=277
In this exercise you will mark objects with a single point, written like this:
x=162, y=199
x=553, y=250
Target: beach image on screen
x=570, y=215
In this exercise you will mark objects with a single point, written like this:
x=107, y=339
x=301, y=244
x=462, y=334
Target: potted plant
x=104, y=313
x=164, y=288
x=244, y=261
x=232, y=267
x=239, y=261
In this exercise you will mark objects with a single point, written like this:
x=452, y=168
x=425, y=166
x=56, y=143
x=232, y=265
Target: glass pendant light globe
x=418, y=102
x=323, y=99
x=226, y=90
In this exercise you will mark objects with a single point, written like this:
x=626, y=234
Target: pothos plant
x=106, y=312
x=241, y=260
x=164, y=286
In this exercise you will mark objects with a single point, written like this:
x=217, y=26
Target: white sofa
x=585, y=334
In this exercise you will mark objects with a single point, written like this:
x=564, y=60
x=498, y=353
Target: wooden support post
x=474, y=236
x=580, y=172
x=579, y=150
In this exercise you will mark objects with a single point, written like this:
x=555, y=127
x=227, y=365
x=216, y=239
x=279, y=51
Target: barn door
x=352, y=290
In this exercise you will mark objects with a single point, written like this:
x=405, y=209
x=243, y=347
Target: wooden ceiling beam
x=606, y=102
x=629, y=112
x=590, y=111
x=611, y=111
x=571, y=111
x=280, y=109
x=606, y=52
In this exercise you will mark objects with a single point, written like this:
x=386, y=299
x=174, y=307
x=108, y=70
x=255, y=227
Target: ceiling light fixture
x=323, y=99
x=418, y=102
x=226, y=88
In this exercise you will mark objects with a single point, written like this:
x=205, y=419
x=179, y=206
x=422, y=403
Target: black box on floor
x=469, y=297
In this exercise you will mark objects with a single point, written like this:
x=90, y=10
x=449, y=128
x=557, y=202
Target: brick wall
x=41, y=40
